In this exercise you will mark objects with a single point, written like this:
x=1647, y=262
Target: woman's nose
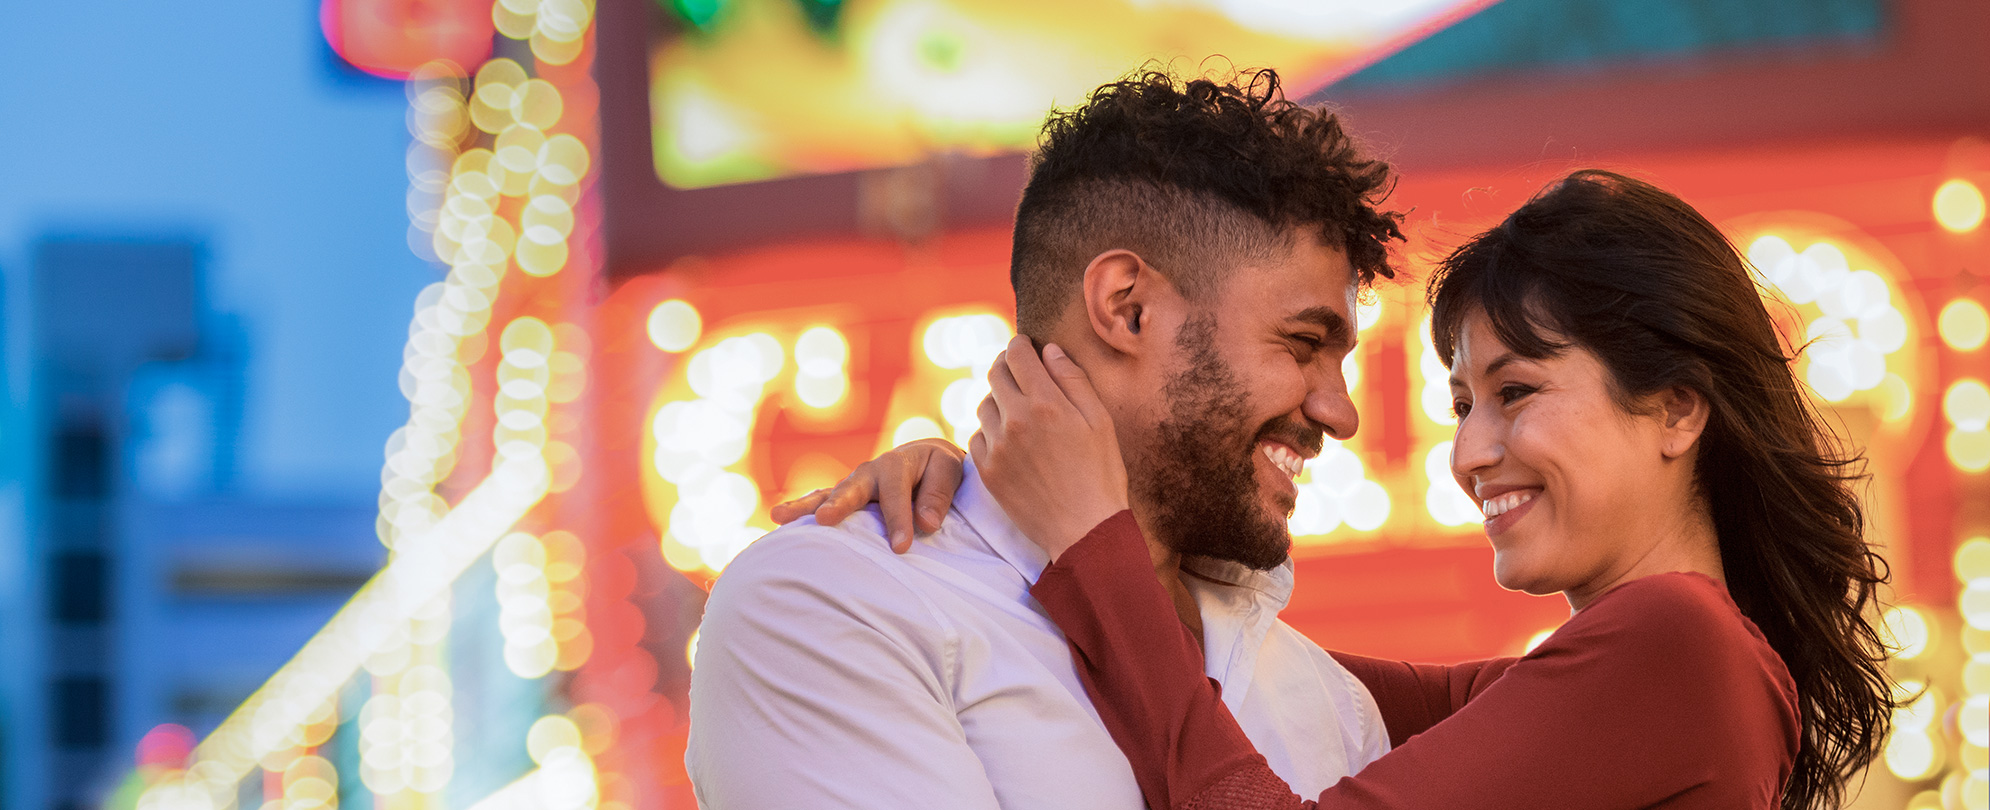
x=1475, y=447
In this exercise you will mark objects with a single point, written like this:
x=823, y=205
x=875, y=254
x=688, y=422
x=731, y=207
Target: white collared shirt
x=832, y=673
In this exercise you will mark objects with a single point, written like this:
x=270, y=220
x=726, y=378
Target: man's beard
x=1200, y=476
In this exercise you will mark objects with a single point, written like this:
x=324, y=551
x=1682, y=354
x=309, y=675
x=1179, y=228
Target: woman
x=1633, y=432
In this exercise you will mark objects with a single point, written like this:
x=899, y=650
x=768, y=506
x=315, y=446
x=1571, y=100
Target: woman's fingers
x=1054, y=467
x=848, y=496
x=1076, y=385
x=990, y=414
x=937, y=484
x=1003, y=389
x=894, y=497
x=977, y=448
x=1027, y=369
x=787, y=512
x=913, y=485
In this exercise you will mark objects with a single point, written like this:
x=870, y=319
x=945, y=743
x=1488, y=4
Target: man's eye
x=1509, y=393
x=1305, y=347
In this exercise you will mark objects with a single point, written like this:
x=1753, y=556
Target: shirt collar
x=1274, y=585
x=985, y=516
x=1239, y=606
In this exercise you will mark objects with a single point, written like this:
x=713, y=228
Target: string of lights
x=481, y=211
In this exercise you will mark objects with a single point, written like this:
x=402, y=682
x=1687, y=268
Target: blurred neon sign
x=756, y=89
x=768, y=378
x=392, y=38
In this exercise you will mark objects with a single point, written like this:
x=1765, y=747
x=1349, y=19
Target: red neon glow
x=391, y=38
x=167, y=745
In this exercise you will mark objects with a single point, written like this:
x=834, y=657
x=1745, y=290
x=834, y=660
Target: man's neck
x=1168, y=569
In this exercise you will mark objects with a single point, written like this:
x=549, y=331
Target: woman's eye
x=1460, y=407
x=1509, y=393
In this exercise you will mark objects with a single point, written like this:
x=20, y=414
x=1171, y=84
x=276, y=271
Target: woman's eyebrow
x=1491, y=368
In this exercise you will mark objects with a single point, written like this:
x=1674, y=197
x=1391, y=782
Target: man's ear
x=1686, y=413
x=1120, y=293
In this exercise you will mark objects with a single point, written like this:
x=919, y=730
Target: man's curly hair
x=1198, y=178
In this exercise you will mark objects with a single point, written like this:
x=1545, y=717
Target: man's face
x=1253, y=389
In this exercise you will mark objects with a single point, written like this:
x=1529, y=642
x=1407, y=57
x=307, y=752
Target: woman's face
x=1575, y=488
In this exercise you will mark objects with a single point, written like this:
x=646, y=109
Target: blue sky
x=227, y=121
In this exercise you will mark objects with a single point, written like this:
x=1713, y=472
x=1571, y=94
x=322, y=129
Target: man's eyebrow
x=1492, y=368
x=1338, y=329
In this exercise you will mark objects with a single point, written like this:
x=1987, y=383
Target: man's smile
x=1283, y=457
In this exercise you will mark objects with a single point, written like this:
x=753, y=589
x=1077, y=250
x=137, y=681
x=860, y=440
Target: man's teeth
x=1494, y=507
x=1284, y=459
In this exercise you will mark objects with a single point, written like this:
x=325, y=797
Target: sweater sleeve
x=1414, y=697
x=1635, y=702
x=1143, y=668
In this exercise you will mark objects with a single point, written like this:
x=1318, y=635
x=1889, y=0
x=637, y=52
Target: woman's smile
x=1504, y=510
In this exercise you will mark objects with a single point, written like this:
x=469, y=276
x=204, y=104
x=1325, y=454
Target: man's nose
x=1329, y=406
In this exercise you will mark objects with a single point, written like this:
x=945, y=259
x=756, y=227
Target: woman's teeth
x=1494, y=507
x=1283, y=458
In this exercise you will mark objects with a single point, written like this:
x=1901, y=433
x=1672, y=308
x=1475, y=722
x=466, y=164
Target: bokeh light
x=1447, y=502
x=1972, y=559
x=1846, y=346
x=674, y=326
x=1912, y=751
x=698, y=439
x=821, y=354
x=1975, y=603
x=1435, y=392
x=1964, y=325
x=1959, y=205
x=1967, y=408
x=462, y=214
x=968, y=342
x=1907, y=631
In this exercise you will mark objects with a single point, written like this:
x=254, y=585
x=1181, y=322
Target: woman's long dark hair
x=1633, y=274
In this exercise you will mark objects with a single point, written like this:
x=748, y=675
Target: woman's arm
x=1414, y=697
x=1636, y=702
x=1143, y=670
x=927, y=472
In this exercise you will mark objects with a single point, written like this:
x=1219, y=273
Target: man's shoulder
x=804, y=568
x=808, y=542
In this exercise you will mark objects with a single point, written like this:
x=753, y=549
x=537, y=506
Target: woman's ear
x=1686, y=412
x=1120, y=291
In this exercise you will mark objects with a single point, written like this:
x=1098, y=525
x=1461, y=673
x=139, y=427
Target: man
x=1196, y=248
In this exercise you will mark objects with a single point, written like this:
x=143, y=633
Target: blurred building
x=698, y=256
x=102, y=310
x=165, y=592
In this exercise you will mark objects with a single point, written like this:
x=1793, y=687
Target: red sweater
x=1659, y=693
